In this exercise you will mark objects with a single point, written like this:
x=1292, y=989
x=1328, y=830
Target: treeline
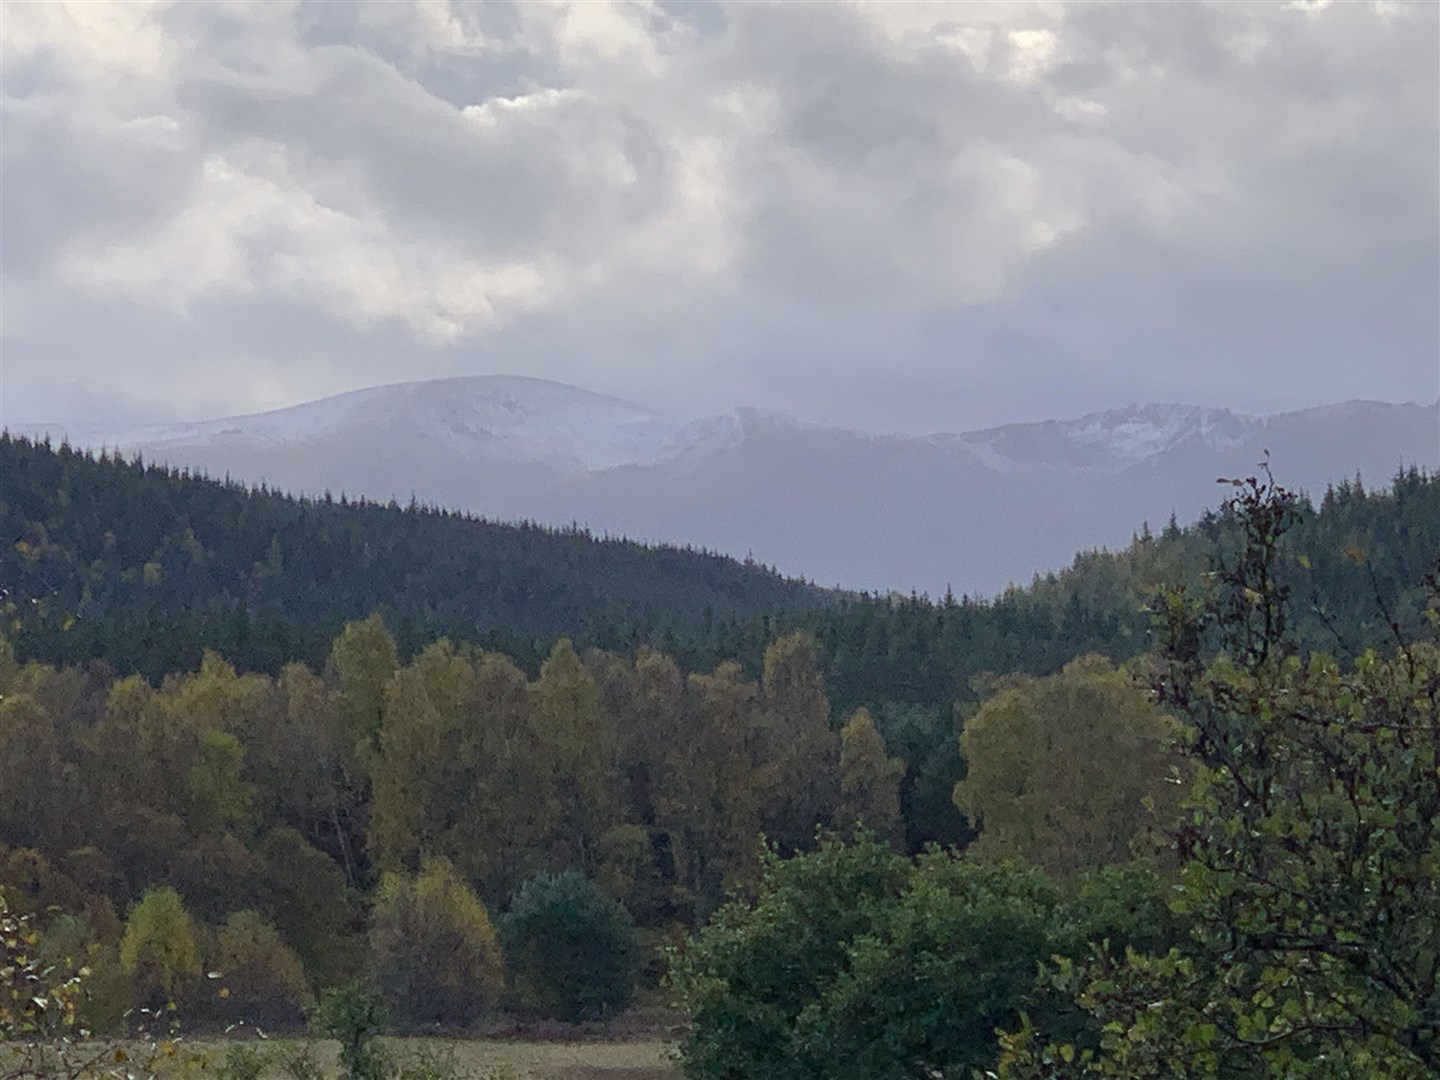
x=146, y=566
x=290, y=810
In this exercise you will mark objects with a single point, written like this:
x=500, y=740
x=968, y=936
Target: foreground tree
x=747, y=977
x=1311, y=853
x=854, y=963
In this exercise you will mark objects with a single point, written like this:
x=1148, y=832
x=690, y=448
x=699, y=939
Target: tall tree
x=801, y=746
x=869, y=781
x=579, y=744
x=424, y=773
x=362, y=660
x=159, y=949
x=720, y=785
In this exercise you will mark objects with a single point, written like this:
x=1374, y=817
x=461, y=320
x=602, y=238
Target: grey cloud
x=893, y=216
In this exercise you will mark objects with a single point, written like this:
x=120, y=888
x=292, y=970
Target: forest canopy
x=214, y=759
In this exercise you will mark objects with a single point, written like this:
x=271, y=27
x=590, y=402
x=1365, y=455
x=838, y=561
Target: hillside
x=974, y=511
x=145, y=566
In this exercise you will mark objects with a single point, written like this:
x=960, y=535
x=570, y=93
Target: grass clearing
x=487, y=1059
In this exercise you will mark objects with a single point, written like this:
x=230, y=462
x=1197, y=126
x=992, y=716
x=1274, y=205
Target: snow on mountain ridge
x=1115, y=438
x=511, y=417
x=521, y=419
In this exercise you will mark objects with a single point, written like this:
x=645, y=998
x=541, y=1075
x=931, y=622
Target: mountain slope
x=973, y=512
x=131, y=559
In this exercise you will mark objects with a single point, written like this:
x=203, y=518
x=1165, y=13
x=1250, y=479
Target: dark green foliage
x=155, y=565
x=748, y=976
x=572, y=952
x=922, y=992
x=354, y=1015
x=854, y=963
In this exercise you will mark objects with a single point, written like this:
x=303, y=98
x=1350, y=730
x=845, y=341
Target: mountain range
x=970, y=512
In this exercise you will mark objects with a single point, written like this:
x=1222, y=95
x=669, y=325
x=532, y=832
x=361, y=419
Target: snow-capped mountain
x=511, y=418
x=973, y=511
x=1115, y=439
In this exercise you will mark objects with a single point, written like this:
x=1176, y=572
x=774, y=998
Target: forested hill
x=145, y=566
x=1355, y=564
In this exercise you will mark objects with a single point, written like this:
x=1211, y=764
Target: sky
x=894, y=216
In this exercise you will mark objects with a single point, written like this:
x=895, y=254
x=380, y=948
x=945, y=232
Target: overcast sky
x=907, y=216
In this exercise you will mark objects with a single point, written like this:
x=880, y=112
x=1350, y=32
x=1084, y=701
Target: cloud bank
x=897, y=215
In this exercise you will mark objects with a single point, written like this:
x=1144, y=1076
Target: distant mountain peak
x=1115, y=438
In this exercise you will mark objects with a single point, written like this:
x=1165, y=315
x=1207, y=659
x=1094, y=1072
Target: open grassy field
x=472, y=1059
x=487, y=1059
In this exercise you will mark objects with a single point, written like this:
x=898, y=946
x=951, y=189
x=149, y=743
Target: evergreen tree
x=571, y=951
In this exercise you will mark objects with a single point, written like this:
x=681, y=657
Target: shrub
x=571, y=951
x=746, y=978
x=433, y=949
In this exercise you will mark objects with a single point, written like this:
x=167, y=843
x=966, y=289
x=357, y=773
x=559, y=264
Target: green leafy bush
x=354, y=1015
x=854, y=963
x=746, y=978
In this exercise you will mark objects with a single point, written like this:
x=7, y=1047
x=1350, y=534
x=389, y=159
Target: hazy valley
x=973, y=511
